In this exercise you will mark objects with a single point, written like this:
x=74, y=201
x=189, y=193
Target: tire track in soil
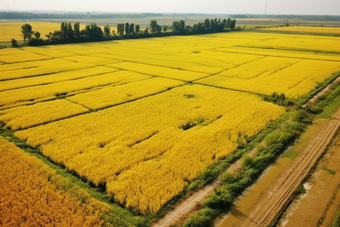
x=187, y=205
x=267, y=208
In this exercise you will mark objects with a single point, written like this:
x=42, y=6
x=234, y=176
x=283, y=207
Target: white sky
x=331, y=7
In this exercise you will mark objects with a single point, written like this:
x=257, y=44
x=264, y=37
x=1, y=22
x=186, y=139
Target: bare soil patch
x=261, y=203
x=319, y=205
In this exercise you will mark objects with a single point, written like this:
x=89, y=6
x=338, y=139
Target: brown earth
x=324, y=91
x=261, y=204
x=186, y=206
x=318, y=207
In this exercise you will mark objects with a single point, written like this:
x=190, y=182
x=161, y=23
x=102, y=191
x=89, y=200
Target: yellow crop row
x=166, y=54
x=320, y=30
x=189, y=63
x=281, y=53
x=23, y=57
x=172, y=136
x=49, y=51
x=300, y=42
x=160, y=71
x=27, y=116
x=56, y=77
x=261, y=67
x=42, y=70
x=12, y=51
x=12, y=30
x=204, y=62
x=32, y=194
x=92, y=60
x=109, y=96
x=294, y=81
x=70, y=86
x=31, y=64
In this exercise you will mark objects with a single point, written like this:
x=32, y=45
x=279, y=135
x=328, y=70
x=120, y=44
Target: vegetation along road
x=274, y=197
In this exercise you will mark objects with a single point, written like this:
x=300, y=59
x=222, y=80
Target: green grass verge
x=336, y=222
x=330, y=109
x=330, y=171
x=290, y=154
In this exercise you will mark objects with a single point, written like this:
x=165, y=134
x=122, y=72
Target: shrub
x=203, y=218
x=222, y=201
x=14, y=43
x=247, y=161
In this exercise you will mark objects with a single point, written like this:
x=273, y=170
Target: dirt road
x=186, y=206
x=322, y=92
x=272, y=199
x=322, y=197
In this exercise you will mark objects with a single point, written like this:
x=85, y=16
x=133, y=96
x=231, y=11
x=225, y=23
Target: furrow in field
x=274, y=198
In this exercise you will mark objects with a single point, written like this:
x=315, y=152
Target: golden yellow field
x=32, y=194
x=305, y=29
x=150, y=133
x=144, y=117
x=12, y=30
x=294, y=80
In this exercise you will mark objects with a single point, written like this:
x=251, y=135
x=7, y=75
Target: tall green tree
x=94, y=32
x=154, y=26
x=127, y=28
x=69, y=33
x=63, y=30
x=232, y=25
x=27, y=31
x=182, y=26
x=175, y=26
x=120, y=29
x=37, y=35
x=132, y=29
x=227, y=26
x=76, y=30
x=165, y=28
x=107, y=31
x=49, y=35
x=137, y=29
x=207, y=24
x=14, y=43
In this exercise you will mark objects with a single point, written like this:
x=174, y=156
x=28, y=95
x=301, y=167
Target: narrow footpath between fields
x=187, y=206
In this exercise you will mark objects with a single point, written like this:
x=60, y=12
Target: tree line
x=71, y=33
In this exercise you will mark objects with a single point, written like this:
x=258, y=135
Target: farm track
x=187, y=205
x=274, y=199
x=267, y=208
x=322, y=92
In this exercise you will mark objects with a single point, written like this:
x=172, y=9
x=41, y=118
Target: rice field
x=12, y=30
x=145, y=117
x=38, y=196
x=306, y=29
